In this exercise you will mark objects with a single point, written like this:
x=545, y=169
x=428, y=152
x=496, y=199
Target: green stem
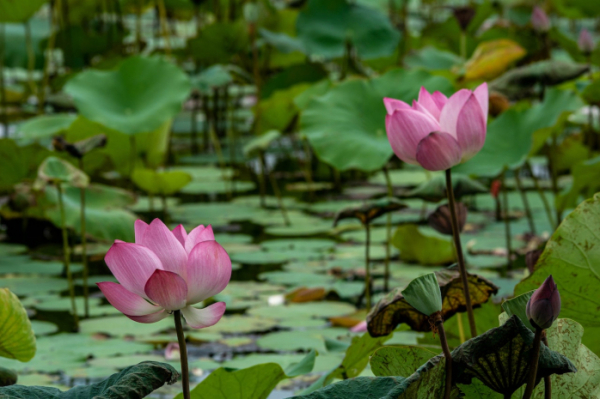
x=66, y=254
x=308, y=172
x=185, y=374
x=86, y=289
x=132, y=155
x=459, y=253
x=367, y=268
x=523, y=193
x=554, y=174
x=261, y=180
x=48, y=60
x=30, y=57
x=439, y=324
x=388, y=232
x=279, y=199
x=507, y=234
x=2, y=83
x=217, y=145
x=547, y=379
x=533, y=364
x=463, y=45
x=538, y=188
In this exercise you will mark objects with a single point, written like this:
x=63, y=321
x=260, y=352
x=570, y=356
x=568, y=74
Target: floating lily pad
x=312, y=309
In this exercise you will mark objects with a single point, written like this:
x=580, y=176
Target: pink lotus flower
x=544, y=305
x=585, y=42
x=438, y=132
x=540, y=20
x=166, y=271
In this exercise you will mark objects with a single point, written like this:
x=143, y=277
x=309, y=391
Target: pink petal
x=391, y=104
x=483, y=98
x=198, y=235
x=450, y=112
x=438, y=151
x=180, y=233
x=202, y=318
x=440, y=99
x=405, y=128
x=126, y=302
x=418, y=107
x=209, y=271
x=471, y=128
x=167, y=289
x=360, y=327
x=427, y=101
x=150, y=318
x=140, y=227
x=132, y=265
x=166, y=246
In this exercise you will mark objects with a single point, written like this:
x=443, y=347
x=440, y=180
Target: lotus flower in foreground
x=544, y=305
x=437, y=132
x=166, y=270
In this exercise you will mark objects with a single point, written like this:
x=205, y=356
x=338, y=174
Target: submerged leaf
x=393, y=309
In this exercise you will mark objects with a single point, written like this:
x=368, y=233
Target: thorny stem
x=185, y=375
x=525, y=202
x=533, y=363
x=66, y=254
x=367, y=269
x=86, y=289
x=536, y=184
x=547, y=380
x=388, y=233
x=439, y=325
x=506, y=222
x=459, y=253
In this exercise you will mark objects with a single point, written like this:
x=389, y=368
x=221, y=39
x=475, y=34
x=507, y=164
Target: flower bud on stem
x=439, y=325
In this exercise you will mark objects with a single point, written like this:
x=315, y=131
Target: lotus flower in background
x=540, y=20
x=585, y=42
x=166, y=270
x=544, y=305
x=437, y=132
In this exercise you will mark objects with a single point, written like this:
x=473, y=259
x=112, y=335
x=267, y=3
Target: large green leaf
x=255, y=382
x=572, y=257
x=138, y=96
x=134, y=382
x=509, y=137
x=17, y=340
x=106, y=218
x=325, y=27
x=160, y=182
x=346, y=125
x=19, y=10
x=399, y=360
x=45, y=126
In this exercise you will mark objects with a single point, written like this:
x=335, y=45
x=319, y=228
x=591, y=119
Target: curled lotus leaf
x=56, y=170
x=519, y=82
x=79, y=148
x=500, y=358
x=369, y=211
x=393, y=309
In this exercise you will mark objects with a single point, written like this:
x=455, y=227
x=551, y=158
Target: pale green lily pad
x=43, y=327
x=120, y=326
x=242, y=324
x=312, y=309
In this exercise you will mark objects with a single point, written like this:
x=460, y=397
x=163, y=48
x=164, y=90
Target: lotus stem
x=308, y=172
x=439, y=325
x=66, y=254
x=194, y=127
x=538, y=188
x=185, y=375
x=138, y=26
x=217, y=145
x=459, y=253
x=461, y=328
x=507, y=234
x=533, y=364
x=388, y=232
x=547, y=379
x=164, y=27
x=2, y=83
x=30, y=57
x=273, y=181
x=132, y=155
x=463, y=45
x=86, y=289
x=554, y=175
x=367, y=268
x=528, y=212
x=261, y=180
x=48, y=60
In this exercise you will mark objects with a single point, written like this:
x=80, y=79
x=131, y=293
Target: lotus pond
x=317, y=246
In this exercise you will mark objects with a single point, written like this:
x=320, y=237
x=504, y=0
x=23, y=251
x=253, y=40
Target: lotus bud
x=498, y=104
x=585, y=42
x=531, y=258
x=540, y=20
x=172, y=351
x=441, y=219
x=544, y=305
